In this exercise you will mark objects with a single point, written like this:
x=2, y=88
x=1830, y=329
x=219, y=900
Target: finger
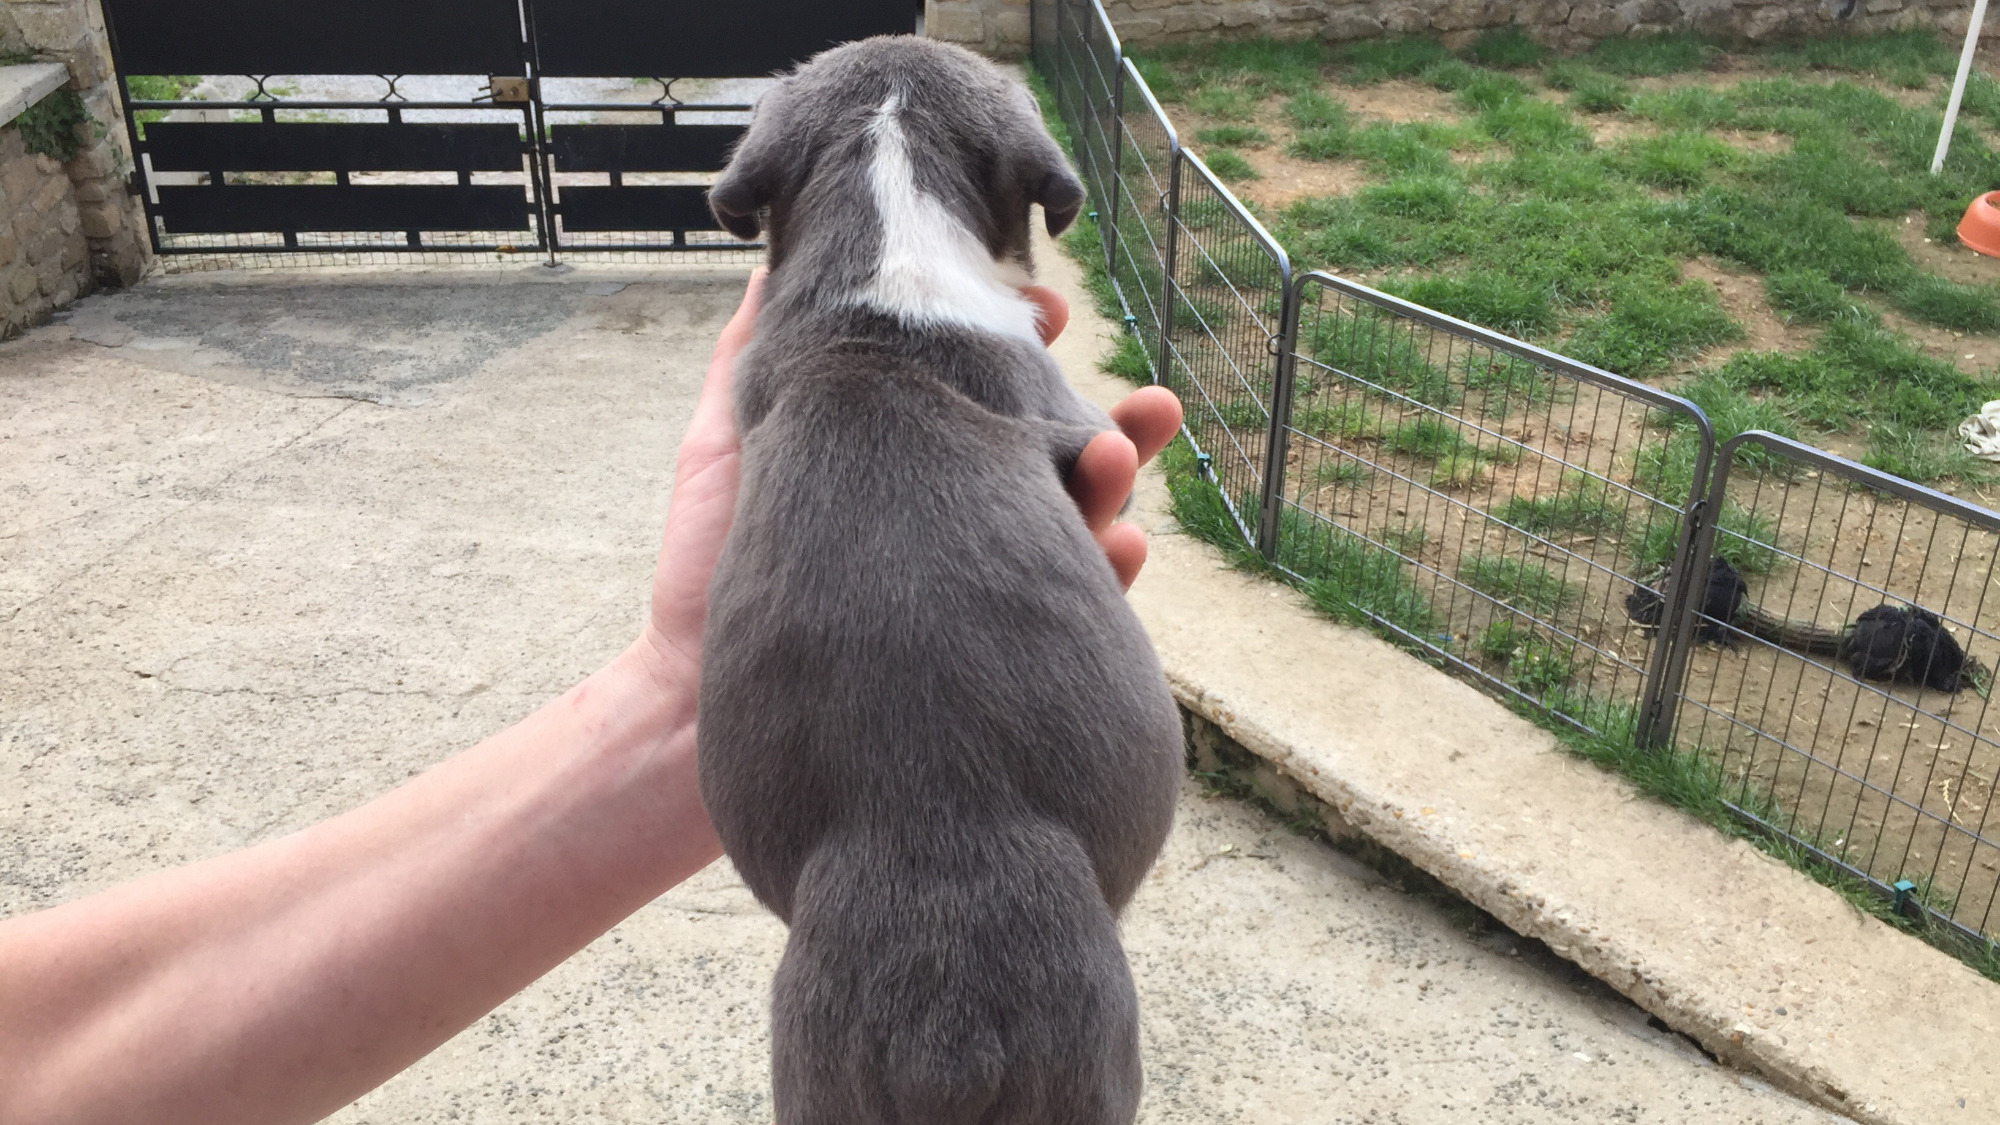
x=1053, y=311
x=730, y=343
x=1103, y=477
x=1150, y=416
x=1125, y=546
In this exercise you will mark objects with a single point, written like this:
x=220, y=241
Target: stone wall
x=1000, y=27
x=44, y=256
x=113, y=224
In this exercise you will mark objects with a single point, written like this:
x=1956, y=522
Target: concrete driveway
x=270, y=544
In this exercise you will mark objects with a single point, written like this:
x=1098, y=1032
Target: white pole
x=1958, y=84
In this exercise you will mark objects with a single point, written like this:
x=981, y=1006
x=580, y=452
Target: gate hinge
x=508, y=91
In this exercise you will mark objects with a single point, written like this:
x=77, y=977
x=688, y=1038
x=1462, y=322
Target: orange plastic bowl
x=1980, y=229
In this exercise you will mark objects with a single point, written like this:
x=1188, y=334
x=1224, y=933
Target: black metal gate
x=470, y=137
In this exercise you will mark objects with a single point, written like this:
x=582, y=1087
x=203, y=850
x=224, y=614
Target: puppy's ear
x=1060, y=194
x=756, y=171
x=1045, y=173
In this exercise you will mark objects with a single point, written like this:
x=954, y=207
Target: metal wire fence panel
x=1226, y=295
x=1842, y=681
x=1490, y=502
x=1144, y=183
x=1085, y=71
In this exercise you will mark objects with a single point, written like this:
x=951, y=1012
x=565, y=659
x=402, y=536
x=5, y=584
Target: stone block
x=22, y=284
x=10, y=249
x=54, y=28
x=50, y=276
x=1151, y=5
x=955, y=23
x=1536, y=13
x=119, y=261
x=12, y=147
x=21, y=179
x=1299, y=13
x=75, y=252
x=1140, y=29
x=99, y=161
x=1882, y=7
x=1008, y=26
x=1404, y=20
x=1191, y=19
x=1350, y=23
x=1462, y=15
x=1655, y=11
x=45, y=248
x=1766, y=23
x=1598, y=21
x=101, y=220
x=54, y=189
x=88, y=66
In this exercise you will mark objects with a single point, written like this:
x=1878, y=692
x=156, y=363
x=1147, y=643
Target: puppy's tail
x=975, y=978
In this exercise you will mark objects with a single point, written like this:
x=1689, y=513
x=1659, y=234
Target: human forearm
x=278, y=983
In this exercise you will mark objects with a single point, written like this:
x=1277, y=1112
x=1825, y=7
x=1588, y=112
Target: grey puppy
x=933, y=736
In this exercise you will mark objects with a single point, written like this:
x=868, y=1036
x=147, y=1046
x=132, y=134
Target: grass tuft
x=1375, y=60
x=1581, y=504
x=1508, y=48
x=1529, y=587
x=1651, y=56
x=1230, y=136
x=1230, y=165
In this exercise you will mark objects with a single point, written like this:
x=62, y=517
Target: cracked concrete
x=231, y=605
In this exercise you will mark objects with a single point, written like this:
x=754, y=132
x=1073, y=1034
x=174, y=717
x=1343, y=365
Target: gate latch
x=508, y=91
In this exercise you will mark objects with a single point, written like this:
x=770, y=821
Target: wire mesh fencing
x=1489, y=502
x=1084, y=67
x=1142, y=222
x=1226, y=287
x=1840, y=661
x=1816, y=634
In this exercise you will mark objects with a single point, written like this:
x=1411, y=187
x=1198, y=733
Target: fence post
x=1270, y=506
x=1685, y=582
x=1171, y=206
x=1109, y=230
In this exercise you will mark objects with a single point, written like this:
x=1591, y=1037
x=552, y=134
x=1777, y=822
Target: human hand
x=707, y=471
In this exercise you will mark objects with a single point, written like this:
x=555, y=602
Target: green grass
x=1580, y=504
x=1376, y=60
x=1528, y=660
x=1526, y=586
x=1680, y=160
x=1230, y=103
x=1232, y=136
x=1231, y=166
x=1315, y=110
x=158, y=88
x=1484, y=297
x=1590, y=90
x=1650, y=56
x=1508, y=48
x=1920, y=456
x=1649, y=326
x=1686, y=107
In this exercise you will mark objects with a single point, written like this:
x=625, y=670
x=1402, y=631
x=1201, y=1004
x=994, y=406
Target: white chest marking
x=934, y=271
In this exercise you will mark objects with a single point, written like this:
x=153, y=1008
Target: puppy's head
x=972, y=137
